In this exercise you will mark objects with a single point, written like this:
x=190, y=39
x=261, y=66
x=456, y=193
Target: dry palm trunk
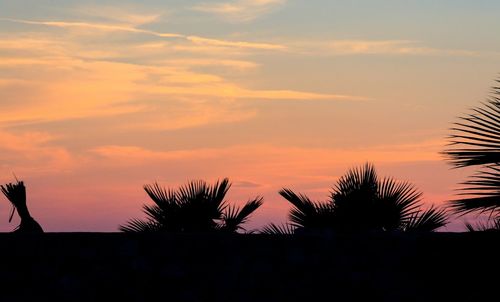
x=16, y=194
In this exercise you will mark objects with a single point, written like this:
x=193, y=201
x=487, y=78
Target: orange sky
x=99, y=98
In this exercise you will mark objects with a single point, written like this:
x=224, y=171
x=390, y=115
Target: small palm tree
x=475, y=141
x=361, y=202
x=195, y=207
x=16, y=194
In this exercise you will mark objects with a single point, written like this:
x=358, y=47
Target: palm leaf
x=427, y=221
x=140, y=226
x=306, y=213
x=482, y=227
x=482, y=191
x=274, y=229
x=234, y=217
x=398, y=202
x=195, y=207
x=476, y=139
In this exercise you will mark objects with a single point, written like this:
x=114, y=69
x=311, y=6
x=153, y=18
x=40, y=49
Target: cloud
x=237, y=44
x=125, y=13
x=73, y=88
x=234, y=64
x=390, y=47
x=95, y=26
x=32, y=153
x=241, y=10
x=131, y=29
x=280, y=159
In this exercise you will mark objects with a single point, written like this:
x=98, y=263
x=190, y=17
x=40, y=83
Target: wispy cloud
x=390, y=47
x=125, y=13
x=31, y=153
x=238, y=44
x=95, y=26
x=241, y=10
x=131, y=29
x=74, y=88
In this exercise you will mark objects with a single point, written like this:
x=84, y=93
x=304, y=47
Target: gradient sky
x=98, y=98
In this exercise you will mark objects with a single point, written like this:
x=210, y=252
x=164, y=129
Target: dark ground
x=203, y=267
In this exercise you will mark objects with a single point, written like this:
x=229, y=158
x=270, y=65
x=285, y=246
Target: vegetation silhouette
x=195, y=207
x=475, y=141
x=16, y=194
x=361, y=202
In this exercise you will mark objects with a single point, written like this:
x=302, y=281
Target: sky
x=98, y=98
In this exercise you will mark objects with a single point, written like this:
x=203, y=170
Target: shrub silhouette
x=360, y=202
x=195, y=207
x=475, y=141
x=16, y=194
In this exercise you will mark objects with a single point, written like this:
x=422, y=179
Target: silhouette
x=16, y=194
x=475, y=141
x=483, y=227
x=195, y=207
x=360, y=202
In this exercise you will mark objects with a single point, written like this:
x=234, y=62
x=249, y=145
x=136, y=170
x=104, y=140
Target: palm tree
x=16, y=194
x=195, y=207
x=475, y=141
x=361, y=202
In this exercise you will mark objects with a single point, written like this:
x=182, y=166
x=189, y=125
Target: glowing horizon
x=101, y=97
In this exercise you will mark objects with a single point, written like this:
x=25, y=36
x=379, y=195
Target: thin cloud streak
x=130, y=29
x=393, y=47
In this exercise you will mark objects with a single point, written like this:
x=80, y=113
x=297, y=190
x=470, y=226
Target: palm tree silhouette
x=195, y=207
x=16, y=194
x=475, y=141
x=360, y=202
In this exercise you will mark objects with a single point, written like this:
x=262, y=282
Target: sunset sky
x=98, y=98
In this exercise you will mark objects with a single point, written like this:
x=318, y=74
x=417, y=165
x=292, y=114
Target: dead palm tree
x=361, y=202
x=475, y=141
x=195, y=207
x=16, y=194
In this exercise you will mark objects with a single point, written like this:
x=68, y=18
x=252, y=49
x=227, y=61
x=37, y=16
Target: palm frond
x=234, y=217
x=483, y=226
x=475, y=140
x=427, y=221
x=140, y=226
x=274, y=229
x=482, y=191
x=398, y=201
x=15, y=193
x=194, y=207
x=160, y=195
x=358, y=179
x=306, y=213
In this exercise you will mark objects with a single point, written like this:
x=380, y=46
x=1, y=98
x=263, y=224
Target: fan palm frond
x=360, y=202
x=482, y=227
x=194, y=207
x=427, y=221
x=398, y=201
x=482, y=191
x=274, y=229
x=140, y=226
x=358, y=180
x=475, y=140
x=234, y=217
x=305, y=212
